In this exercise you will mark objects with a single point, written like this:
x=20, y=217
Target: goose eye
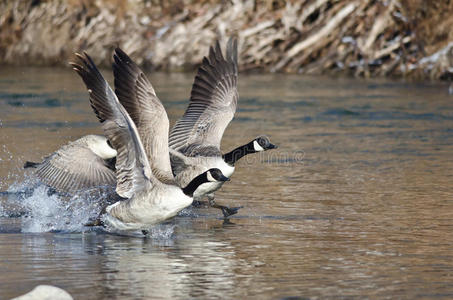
x=215, y=174
x=262, y=142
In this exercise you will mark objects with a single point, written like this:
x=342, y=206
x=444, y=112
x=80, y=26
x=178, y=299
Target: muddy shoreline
x=393, y=38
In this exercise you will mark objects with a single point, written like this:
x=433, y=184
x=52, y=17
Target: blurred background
x=369, y=38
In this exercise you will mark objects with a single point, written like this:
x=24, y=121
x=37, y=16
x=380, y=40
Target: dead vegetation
x=357, y=37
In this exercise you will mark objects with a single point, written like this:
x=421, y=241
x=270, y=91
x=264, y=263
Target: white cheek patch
x=210, y=178
x=257, y=146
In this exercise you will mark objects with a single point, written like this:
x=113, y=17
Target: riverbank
x=394, y=38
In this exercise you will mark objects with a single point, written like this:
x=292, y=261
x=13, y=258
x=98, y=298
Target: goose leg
x=97, y=222
x=227, y=211
x=198, y=203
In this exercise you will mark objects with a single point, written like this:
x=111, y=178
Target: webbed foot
x=227, y=211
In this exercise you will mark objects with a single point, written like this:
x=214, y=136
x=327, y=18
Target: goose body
x=147, y=208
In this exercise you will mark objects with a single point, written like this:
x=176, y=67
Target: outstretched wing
x=75, y=167
x=213, y=102
x=133, y=172
x=138, y=97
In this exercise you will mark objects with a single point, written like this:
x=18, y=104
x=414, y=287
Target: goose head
x=262, y=143
x=215, y=175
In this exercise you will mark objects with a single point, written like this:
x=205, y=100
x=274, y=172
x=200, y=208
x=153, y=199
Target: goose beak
x=224, y=178
x=272, y=146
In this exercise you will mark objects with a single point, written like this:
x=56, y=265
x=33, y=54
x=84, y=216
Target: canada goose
x=81, y=164
x=197, y=135
x=149, y=199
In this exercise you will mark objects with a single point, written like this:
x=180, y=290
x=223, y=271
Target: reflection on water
x=356, y=202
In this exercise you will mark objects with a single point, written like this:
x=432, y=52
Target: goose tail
x=30, y=164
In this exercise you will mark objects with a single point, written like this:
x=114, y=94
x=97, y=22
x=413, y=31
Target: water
x=357, y=202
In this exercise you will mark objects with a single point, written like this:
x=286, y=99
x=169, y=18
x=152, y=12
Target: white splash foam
x=162, y=232
x=54, y=213
x=42, y=211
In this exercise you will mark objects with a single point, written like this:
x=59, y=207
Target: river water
x=357, y=201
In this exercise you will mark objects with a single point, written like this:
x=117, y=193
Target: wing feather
x=213, y=102
x=133, y=172
x=136, y=94
x=75, y=167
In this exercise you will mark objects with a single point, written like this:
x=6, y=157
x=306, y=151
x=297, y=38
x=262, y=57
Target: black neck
x=233, y=156
x=194, y=184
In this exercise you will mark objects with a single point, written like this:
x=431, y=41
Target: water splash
x=188, y=212
x=162, y=231
x=42, y=210
x=8, y=159
x=56, y=213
